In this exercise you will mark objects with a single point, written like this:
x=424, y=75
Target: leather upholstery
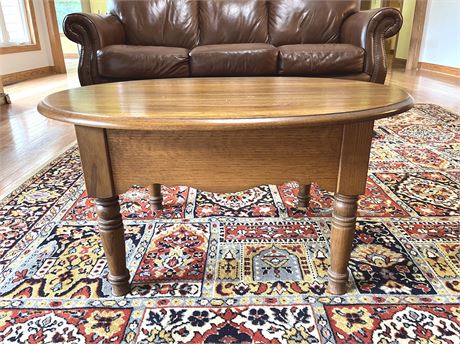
x=92, y=32
x=171, y=23
x=368, y=29
x=354, y=76
x=142, y=62
x=313, y=21
x=234, y=60
x=233, y=21
x=318, y=59
x=225, y=37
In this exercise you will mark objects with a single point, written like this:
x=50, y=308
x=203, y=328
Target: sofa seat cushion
x=244, y=59
x=320, y=59
x=142, y=62
x=354, y=76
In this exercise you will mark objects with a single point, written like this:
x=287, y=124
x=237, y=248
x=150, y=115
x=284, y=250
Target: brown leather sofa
x=150, y=39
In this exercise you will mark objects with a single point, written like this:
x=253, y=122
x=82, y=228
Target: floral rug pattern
x=249, y=266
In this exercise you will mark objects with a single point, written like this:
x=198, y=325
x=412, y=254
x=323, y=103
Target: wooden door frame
x=54, y=36
x=386, y=3
x=416, y=37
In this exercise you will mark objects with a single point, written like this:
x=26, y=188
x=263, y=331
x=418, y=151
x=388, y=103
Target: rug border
x=12, y=189
x=442, y=106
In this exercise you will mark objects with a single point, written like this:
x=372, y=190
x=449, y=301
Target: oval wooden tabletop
x=224, y=103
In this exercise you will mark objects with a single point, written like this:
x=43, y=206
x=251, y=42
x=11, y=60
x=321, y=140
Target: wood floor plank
x=27, y=139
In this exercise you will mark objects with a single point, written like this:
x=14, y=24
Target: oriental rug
x=249, y=266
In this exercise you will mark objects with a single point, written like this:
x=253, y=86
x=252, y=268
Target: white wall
x=17, y=62
x=441, y=35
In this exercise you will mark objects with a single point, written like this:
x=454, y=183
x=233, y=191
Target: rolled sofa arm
x=368, y=30
x=92, y=32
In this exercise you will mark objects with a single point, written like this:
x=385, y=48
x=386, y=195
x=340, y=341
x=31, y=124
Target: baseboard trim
x=13, y=78
x=71, y=56
x=439, y=68
x=398, y=62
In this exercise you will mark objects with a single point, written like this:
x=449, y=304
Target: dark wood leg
x=156, y=199
x=343, y=229
x=113, y=241
x=303, y=198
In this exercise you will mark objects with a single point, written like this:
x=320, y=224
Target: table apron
x=334, y=156
x=226, y=161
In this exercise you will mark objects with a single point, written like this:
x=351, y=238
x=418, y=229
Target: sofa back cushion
x=308, y=21
x=188, y=23
x=170, y=23
x=128, y=62
x=233, y=21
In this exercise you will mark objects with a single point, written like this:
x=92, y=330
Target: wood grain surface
x=95, y=160
x=354, y=158
x=266, y=131
x=225, y=161
x=224, y=103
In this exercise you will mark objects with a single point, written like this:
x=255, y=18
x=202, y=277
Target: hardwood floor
x=29, y=140
x=429, y=87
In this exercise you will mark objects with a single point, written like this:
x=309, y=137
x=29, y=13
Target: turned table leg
x=343, y=229
x=156, y=199
x=303, y=198
x=113, y=241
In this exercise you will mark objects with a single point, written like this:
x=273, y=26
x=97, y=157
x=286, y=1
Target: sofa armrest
x=368, y=30
x=92, y=32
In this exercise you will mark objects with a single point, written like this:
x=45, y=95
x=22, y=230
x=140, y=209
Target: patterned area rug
x=249, y=266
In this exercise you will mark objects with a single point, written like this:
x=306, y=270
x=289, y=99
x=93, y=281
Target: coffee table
x=225, y=135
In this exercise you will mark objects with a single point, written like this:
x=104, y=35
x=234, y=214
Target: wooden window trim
x=33, y=32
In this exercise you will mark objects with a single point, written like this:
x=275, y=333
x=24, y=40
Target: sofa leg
x=303, y=198
x=156, y=199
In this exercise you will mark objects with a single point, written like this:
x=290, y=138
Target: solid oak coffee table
x=225, y=135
